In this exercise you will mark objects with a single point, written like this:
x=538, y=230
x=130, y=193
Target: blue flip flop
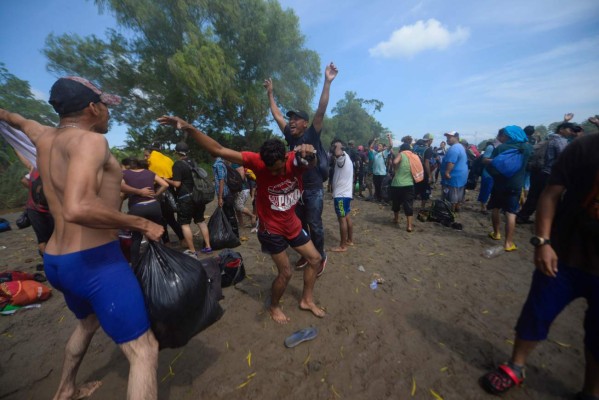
x=301, y=336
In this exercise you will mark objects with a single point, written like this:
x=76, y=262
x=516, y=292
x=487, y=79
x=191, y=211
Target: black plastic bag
x=23, y=221
x=221, y=233
x=169, y=198
x=180, y=298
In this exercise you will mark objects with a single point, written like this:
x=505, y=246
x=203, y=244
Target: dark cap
x=182, y=148
x=72, y=93
x=299, y=113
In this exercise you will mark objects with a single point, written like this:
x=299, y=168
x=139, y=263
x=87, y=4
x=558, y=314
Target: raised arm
x=330, y=73
x=29, y=127
x=206, y=142
x=274, y=109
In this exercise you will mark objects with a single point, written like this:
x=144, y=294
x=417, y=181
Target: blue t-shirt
x=378, y=165
x=313, y=177
x=220, y=173
x=459, y=175
x=487, y=154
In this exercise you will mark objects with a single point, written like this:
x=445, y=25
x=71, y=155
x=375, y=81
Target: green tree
x=16, y=96
x=354, y=119
x=202, y=60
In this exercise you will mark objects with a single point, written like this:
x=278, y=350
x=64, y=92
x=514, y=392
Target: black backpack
x=234, y=180
x=231, y=267
x=37, y=192
x=441, y=211
x=203, y=189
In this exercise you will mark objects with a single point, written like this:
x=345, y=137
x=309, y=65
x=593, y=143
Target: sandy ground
x=443, y=317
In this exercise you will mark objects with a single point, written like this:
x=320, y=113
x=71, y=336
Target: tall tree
x=354, y=119
x=203, y=60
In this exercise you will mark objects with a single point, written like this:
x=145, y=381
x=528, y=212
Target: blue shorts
x=100, y=281
x=342, y=206
x=506, y=200
x=549, y=296
x=275, y=244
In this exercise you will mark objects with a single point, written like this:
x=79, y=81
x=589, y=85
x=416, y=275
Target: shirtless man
x=82, y=182
x=279, y=179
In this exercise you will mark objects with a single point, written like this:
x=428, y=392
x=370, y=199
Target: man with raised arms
x=83, y=260
x=279, y=178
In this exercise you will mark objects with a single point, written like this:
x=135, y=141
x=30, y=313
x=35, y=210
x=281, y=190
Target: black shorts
x=275, y=244
x=188, y=210
x=42, y=223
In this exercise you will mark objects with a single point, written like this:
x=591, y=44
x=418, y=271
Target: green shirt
x=403, y=173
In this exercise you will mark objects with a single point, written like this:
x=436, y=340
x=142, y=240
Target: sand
x=443, y=316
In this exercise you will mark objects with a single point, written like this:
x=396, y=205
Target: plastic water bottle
x=493, y=252
x=374, y=284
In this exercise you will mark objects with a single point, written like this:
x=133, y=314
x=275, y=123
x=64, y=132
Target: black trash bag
x=221, y=233
x=180, y=298
x=23, y=221
x=231, y=267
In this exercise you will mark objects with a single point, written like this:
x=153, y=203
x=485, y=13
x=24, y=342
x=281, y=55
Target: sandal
x=494, y=236
x=206, y=250
x=501, y=380
x=513, y=247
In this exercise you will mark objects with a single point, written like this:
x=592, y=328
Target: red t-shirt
x=277, y=195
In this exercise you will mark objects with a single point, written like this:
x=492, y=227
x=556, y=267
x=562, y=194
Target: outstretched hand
x=268, y=85
x=594, y=121
x=568, y=117
x=330, y=72
x=173, y=121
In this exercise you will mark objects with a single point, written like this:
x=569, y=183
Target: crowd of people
x=84, y=186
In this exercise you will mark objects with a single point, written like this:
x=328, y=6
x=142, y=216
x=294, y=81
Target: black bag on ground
x=231, y=267
x=180, y=298
x=220, y=231
x=23, y=221
x=441, y=211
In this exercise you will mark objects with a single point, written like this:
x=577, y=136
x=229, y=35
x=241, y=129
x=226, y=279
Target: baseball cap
x=299, y=113
x=182, y=148
x=452, y=133
x=72, y=93
x=428, y=136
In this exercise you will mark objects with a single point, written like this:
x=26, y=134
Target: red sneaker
x=323, y=265
x=301, y=263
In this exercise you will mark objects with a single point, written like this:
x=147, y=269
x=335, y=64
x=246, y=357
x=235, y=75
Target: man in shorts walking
x=279, y=188
x=567, y=265
x=83, y=260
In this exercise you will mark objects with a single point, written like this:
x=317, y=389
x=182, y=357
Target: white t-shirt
x=343, y=179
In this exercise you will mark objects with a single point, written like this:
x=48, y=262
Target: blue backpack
x=508, y=163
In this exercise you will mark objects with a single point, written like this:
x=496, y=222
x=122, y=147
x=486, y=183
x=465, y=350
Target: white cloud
x=39, y=94
x=410, y=40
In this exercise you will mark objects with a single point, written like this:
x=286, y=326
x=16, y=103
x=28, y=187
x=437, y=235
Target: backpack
x=441, y=211
x=37, y=192
x=203, y=190
x=4, y=225
x=234, y=180
x=419, y=150
x=231, y=267
x=507, y=164
x=536, y=162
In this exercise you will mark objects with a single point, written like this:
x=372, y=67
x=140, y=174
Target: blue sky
x=470, y=66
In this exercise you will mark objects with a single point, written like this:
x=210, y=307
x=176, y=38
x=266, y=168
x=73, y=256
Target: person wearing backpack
x=187, y=210
x=506, y=191
x=544, y=156
x=299, y=131
x=37, y=209
x=224, y=194
x=424, y=150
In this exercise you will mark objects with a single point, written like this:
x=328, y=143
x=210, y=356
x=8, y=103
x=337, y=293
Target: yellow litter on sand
x=378, y=311
x=444, y=369
x=249, y=358
x=562, y=344
x=249, y=378
x=307, y=360
x=335, y=392
x=485, y=311
x=413, y=386
x=436, y=395
x=509, y=341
